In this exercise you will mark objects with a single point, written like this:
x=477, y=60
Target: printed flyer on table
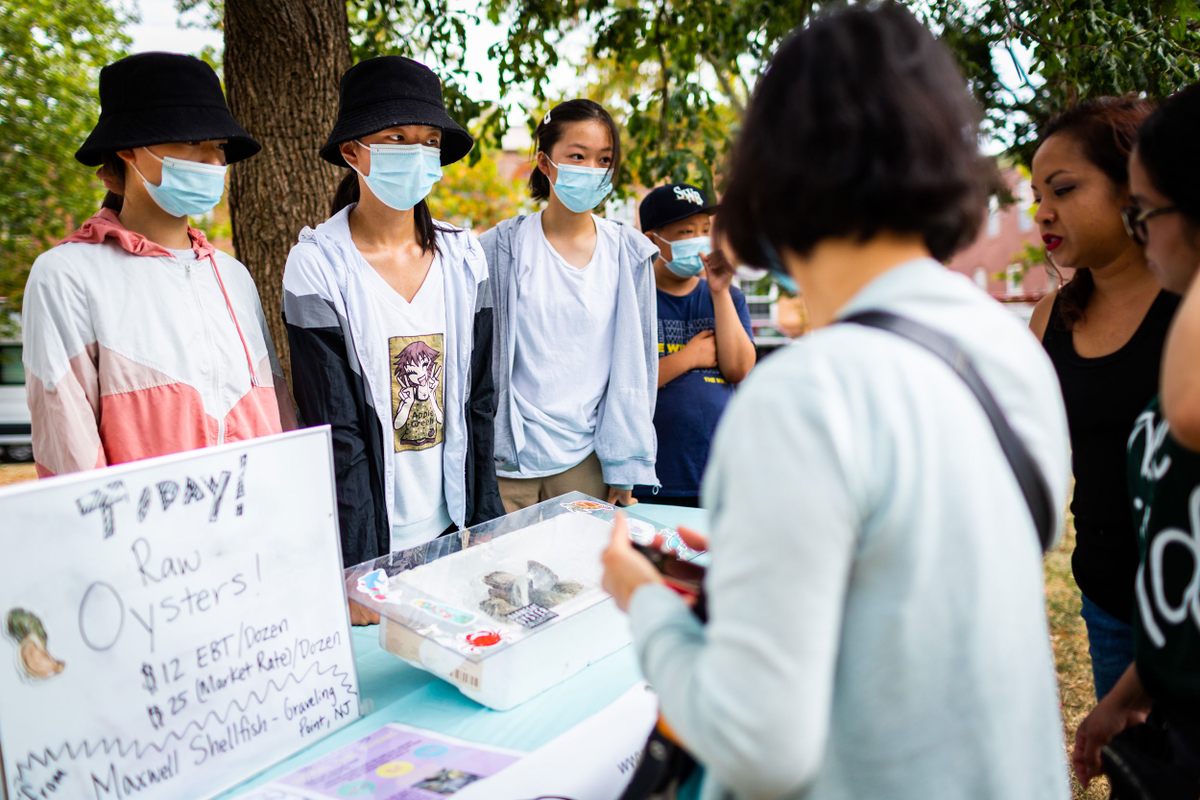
x=395, y=762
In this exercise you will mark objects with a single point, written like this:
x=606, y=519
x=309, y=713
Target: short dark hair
x=551, y=128
x=1167, y=147
x=861, y=124
x=1106, y=129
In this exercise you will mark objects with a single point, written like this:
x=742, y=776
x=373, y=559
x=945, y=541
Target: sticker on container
x=449, y=614
x=586, y=506
x=531, y=616
x=374, y=585
x=483, y=638
x=674, y=543
x=640, y=531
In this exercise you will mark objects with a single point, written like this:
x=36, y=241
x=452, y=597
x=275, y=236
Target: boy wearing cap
x=142, y=339
x=705, y=345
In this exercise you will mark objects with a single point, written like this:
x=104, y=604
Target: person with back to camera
x=876, y=615
x=389, y=317
x=141, y=338
x=1163, y=471
x=705, y=345
x=574, y=356
x=1104, y=331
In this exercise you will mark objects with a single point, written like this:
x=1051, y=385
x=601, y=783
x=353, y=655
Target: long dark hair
x=1106, y=129
x=861, y=124
x=551, y=128
x=348, y=192
x=1167, y=148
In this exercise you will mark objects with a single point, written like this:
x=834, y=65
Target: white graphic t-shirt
x=565, y=323
x=416, y=345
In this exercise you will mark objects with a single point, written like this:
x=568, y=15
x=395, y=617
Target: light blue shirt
x=877, y=622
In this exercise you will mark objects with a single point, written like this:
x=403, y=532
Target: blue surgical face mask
x=685, y=255
x=581, y=188
x=402, y=175
x=778, y=271
x=187, y=188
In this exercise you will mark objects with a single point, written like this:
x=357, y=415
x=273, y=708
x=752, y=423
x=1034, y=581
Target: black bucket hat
x=387, y=91
x=155, y=98
x=671, y=203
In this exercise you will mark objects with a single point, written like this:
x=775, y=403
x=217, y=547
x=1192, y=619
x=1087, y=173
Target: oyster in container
x=503, y=610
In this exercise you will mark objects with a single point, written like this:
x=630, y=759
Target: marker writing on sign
x=164, y=495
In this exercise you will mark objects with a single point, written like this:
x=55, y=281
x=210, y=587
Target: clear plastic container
x=506, y=609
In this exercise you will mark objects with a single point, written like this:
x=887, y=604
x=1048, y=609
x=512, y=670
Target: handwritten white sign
x=172, y=626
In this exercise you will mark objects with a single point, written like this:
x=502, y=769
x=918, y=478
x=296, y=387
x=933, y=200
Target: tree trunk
x=283, y=61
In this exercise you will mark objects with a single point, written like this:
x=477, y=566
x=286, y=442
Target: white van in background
x=16, y=437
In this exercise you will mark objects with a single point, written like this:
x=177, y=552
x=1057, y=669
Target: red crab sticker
x=483, y=638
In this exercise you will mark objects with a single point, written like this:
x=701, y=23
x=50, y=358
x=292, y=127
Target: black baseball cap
x=671, y=203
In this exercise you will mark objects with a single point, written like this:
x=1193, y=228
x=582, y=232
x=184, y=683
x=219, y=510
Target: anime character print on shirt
x=417, y=391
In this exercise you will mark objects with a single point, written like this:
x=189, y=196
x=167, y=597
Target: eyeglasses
x=1136, y=218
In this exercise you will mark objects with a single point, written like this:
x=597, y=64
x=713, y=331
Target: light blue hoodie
x=625, y=440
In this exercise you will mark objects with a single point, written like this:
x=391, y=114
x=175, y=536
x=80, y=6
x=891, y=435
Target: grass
x=15, y=473
x=1069, y=636
x=1067, y=633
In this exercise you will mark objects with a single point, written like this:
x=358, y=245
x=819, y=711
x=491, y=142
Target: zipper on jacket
x=216, y=384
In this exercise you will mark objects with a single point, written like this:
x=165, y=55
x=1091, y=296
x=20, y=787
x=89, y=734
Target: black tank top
x=1103, y=397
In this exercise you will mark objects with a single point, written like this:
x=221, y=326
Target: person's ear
x=127, y=156
x=544, y=165
x=349, y=151
x=664, y=247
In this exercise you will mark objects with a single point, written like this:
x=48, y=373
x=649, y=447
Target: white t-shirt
x=416, y=346
x=565, y=323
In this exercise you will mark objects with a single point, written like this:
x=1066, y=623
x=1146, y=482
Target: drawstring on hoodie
x=229, y=306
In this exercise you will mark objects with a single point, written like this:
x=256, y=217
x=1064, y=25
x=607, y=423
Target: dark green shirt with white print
x=1164, y=488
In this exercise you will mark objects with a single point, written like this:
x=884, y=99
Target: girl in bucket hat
x=576, y=401
x=389, y=319
x=141, y=338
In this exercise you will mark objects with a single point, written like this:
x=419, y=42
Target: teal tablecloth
x=392, y=691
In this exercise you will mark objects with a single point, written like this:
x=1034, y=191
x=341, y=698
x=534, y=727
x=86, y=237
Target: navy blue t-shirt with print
x=690, y=406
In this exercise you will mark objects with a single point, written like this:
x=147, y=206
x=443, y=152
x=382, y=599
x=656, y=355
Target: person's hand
x=361, y=615
x=621, y=497
x=701, y=350
x=1098, y=728
x=693, y=539
x=718, y=271
x=625, y=569
x=407, y=395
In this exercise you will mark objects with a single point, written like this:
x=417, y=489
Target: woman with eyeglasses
x=1164, y=488
x=1104, y=331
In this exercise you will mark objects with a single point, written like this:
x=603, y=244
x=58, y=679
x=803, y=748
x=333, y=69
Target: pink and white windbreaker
x=133, y=352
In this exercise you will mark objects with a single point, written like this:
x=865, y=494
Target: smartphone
x=684, y=575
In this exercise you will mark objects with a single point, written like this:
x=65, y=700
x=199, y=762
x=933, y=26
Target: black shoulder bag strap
x=1029, y=476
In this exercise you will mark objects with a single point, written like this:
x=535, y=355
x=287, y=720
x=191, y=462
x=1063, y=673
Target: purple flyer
x=399, y=763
